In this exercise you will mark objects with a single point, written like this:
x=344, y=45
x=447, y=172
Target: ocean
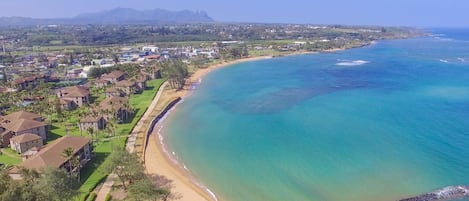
x=377, y=123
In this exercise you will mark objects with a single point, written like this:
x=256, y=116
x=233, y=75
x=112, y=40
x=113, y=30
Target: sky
x=423, y=13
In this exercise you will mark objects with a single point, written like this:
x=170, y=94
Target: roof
x=90, y=119
x=51, y=156
x=22, y=125
x=125, y=83
x=112, y=90
x=21, y=115
x=28, y=137
x=113, y=75
x=102, y=81
x=114, y=102
x=75, y=91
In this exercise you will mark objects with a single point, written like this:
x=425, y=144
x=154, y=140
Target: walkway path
x=130, y=146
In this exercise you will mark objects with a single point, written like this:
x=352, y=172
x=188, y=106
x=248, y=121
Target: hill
x=116, y=16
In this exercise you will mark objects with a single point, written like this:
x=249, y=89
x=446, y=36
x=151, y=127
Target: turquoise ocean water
x=377, y=123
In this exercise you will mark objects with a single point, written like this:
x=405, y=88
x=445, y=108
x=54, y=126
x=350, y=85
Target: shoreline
x=161, y=160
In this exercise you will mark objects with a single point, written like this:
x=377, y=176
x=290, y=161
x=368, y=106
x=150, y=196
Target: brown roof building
x=77, y=94
x=114, y=76
x=52, y=155
x=126, y=86
x=97, y=123
x=22, y=115
x=20, y=123
x=23, y=143
x=117, y=107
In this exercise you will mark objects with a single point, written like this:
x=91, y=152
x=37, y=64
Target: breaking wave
x=352, y=63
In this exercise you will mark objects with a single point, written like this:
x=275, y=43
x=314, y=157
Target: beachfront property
x=76, y=95
x=52, y=156
x=19, y=123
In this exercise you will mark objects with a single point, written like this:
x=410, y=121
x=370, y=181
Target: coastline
x=159, y=160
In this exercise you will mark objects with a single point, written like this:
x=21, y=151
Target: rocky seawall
x=444, y=194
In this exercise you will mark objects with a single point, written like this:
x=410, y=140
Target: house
x=25, y=142
x=79, y=95
x=20, y=127
x=100, y=83
x=52, y=155
x=23, y=83
x=22, y=115
x=153, y=73
x=114, y=76
x=141, y=84
x=97, y=123
x=67, y=104
x=19, y=123
x=126, y=86
x=115, y=107
x=112, y=91
x=29, y=153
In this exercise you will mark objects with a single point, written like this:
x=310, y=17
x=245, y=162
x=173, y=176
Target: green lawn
x=10, y=157
x=8, y=160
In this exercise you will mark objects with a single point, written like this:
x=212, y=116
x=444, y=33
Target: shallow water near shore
x=383, y=122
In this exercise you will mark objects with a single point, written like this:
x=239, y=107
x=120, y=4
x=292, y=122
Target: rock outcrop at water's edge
x=444, y=194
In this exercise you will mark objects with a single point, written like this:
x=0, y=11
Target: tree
x=176, y=71
x=142, y=190
x=52, y=185
x=56, y=184
x=152, y=187
x=5, y=181
x=126, y=166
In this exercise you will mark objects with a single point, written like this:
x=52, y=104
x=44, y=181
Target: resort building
x=114, y=76
x=79, y=95
x=112, y=91
x=52, y=155
x=19, y=123
x=25, y=142
x=115, y=107
x=96, y=123
x=127, y=87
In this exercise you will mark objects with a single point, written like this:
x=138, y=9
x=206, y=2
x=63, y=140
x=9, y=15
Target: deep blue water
x=382, y=122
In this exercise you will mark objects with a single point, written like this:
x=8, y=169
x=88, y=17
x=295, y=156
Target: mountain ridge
x=116, y=16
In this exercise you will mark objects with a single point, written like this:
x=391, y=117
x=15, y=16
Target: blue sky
x=359, y=12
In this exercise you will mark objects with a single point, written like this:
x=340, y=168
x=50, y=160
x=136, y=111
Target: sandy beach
x=156, y=159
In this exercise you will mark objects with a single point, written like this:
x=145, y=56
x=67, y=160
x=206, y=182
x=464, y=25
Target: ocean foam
x=444, y=60
x=352, y=63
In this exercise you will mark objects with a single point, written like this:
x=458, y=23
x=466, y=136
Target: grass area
x=10, y=157
x=8, y=160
